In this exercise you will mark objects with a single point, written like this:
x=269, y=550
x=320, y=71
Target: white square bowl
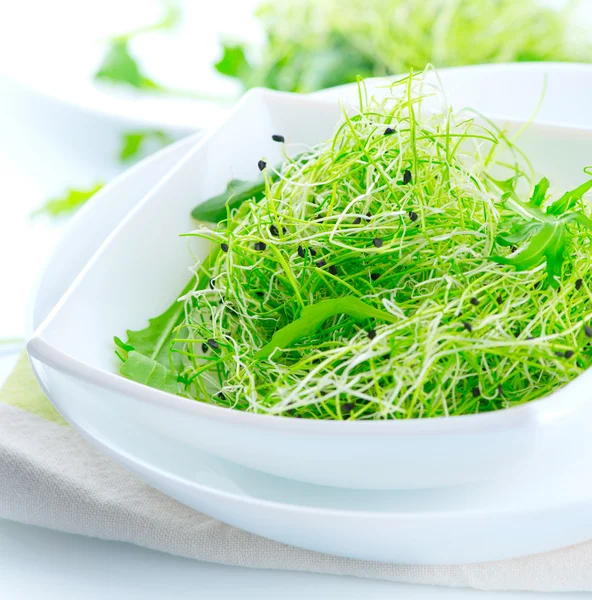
x=144, y=263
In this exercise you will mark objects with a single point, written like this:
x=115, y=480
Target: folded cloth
x=51, y=477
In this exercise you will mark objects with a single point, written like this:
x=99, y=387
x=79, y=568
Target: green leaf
x=150, y=372
x=569, y=199
x=214, y=210
x=314, y=315
x=155, y=340
x=234, y=61
x=134, y=143
x=70, y=201
x=540, y=192
x=548, y=244
x=519, y=234
x=119, y=66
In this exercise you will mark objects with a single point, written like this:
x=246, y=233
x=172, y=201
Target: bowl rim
x=540, y=410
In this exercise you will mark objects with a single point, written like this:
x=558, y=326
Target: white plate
x=72, y=35
x=544, y=504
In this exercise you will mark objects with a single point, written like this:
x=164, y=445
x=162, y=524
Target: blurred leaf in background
x=119, y=65
x=71, y=200
x=311, y=45
x=136, y=144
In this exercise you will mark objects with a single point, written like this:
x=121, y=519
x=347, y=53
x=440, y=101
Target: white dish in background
x=545, y=503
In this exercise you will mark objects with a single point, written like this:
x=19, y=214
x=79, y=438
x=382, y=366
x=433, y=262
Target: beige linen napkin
x=50, y=476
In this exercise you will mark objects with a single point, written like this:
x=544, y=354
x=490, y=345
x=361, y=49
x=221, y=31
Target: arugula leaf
x=540, y=192
x=155, y=342
x=234, y=61
x=150, y=372
x=133, y=143
x=544, y=234
x=569, y=199
x=314, y=315
x=70, y=201
x=238, y=191
x=119, y=66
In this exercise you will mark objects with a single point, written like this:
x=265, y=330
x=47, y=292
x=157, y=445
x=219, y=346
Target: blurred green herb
x=310, y=45
x=121, y=67
x=136, y=143
x=544, y=234
x=70, y=201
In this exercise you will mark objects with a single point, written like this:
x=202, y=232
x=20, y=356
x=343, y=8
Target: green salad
x=311, y=45
x=409, y=267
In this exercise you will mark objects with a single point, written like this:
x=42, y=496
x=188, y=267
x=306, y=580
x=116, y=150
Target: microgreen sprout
x=357, y=314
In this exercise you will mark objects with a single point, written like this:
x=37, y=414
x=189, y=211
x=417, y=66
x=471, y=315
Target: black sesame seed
x=413, y=216
x=261, y=164
x=321, y=263
x=389, y=131
x=278, y=138
x=204, y=347
x=579, y=283
x=588, y=331
x=467, y=326
x=568, y=353
x=260, y=246
x=284, y=230
x=312, y=251
x=372, y=334
x=274, y=230
x=374, y=276
x=559, y=354
x=474, y=301
x=476, y=392
x=224, y=247
x=406, y=177
x=333, y=270
x=358, y=220
x=499, y=299
x=213, y=344
x=301, y=252
x=346, y=409
x=377, y=242
x=368, y=216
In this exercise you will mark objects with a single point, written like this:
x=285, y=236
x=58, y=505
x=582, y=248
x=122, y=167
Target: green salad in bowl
x=409, y=267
